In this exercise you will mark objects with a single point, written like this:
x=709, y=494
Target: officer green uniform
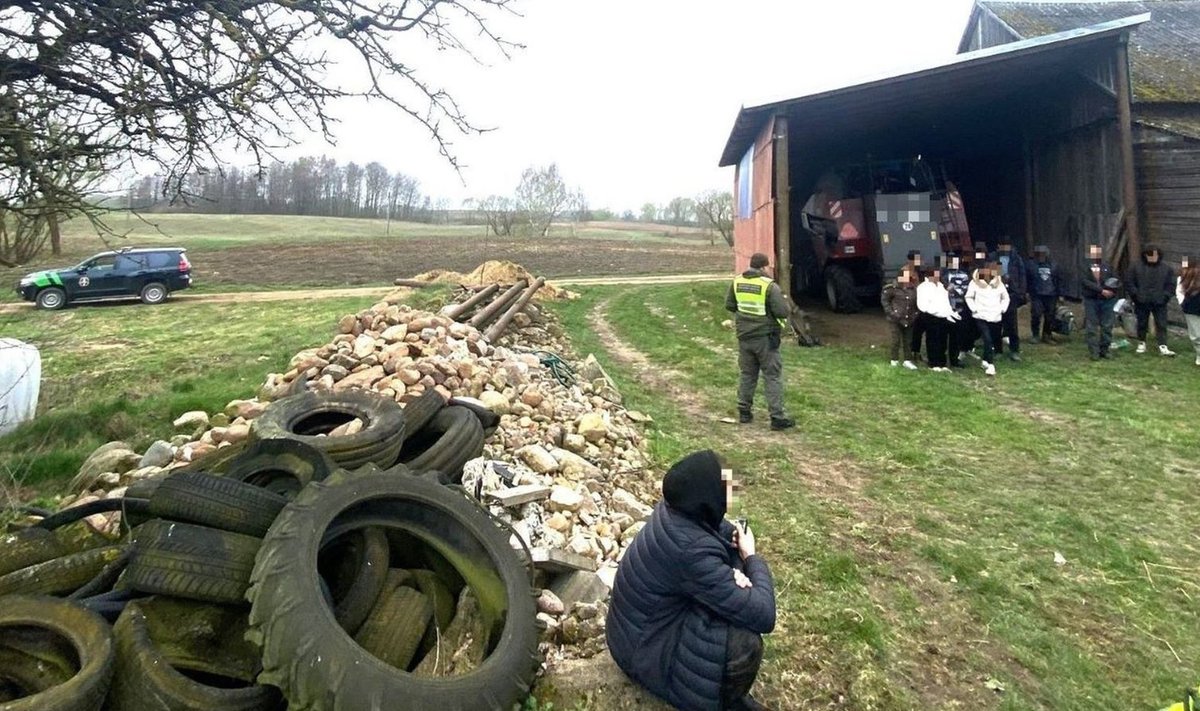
x=761, y=311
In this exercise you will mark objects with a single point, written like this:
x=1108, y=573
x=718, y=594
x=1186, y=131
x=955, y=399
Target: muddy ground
x=352, y=263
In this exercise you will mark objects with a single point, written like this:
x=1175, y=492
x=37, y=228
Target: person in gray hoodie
x=1150, y=283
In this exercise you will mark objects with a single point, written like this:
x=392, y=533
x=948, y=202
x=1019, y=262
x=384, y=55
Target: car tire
x=85, y=633
x=309, y=416
x=148, y=674
x=154, y=293
x=487, y=419
x=191, y=562
x=294, y=626
x=392, y=633
x=355, y=567
x=449, y=441
x=218, y=502
x=29, y=547
x=281, y=466
x=51, y=298
x=59, y=576
x=419, y=412
x=840, y=290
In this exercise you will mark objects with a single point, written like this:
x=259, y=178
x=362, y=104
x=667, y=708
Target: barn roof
x=935, y=90
x=1164, y=52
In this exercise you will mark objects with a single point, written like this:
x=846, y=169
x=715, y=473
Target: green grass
x=935, y=510
x=125, y=372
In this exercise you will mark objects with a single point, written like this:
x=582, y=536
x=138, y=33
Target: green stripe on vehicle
x=54, y=277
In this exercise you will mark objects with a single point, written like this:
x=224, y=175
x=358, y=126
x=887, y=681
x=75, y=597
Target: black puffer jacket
x=675, y=599
x=1147, y=283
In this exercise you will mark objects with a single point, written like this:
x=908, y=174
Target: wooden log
x=456, y=311
x=492, y=310
x=520, y=495
x=413, y=283
x=497, y=329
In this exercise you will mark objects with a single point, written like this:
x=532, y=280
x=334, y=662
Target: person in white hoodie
x=934, y=302
x=988, y=299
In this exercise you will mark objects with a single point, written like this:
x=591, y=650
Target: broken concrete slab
x=580, y=586
x=556, y=560
x=596, y=682
x=518, y=495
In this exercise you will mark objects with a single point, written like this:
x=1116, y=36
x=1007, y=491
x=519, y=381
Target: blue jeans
x=1098, y=319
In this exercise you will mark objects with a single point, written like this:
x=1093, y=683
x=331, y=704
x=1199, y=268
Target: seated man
x=691, y=598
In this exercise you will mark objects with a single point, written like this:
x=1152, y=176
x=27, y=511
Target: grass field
x=912, y=519
x=124, y=372
x=253, y=252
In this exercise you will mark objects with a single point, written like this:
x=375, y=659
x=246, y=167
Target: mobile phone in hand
x=742, y=522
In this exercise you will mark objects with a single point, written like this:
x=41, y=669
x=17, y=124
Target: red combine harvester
x=863, y=220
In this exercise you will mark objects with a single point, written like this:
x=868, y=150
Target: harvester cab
x=863, y=220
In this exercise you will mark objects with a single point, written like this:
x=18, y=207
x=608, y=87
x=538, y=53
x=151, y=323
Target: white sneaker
x=1198, y=360
x=896, y=363
x=1141, y=347
x=990, y=369
x=1166, y=351
x=913, y=366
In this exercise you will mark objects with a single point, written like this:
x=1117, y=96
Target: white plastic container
x=20, y=382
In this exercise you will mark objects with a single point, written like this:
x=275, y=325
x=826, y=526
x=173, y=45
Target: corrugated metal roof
x=961, y=79
x=1165, y=52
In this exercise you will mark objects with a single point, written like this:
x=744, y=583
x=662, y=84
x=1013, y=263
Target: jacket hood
x=995, y=281
x=752, y=273
x=693, y=487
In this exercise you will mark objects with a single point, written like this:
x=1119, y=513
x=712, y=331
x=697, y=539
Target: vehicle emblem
x=84, y=281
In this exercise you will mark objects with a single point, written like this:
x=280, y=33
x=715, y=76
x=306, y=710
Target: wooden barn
x=1033, y=127
x=1164, y=58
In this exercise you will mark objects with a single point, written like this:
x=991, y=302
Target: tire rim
x=154, y=294
x=51, y=300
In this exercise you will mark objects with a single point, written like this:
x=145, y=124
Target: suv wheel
x=51, y=298
x=154, y=293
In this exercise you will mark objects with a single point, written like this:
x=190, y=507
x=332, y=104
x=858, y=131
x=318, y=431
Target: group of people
x=964, y=299
x=951, y=305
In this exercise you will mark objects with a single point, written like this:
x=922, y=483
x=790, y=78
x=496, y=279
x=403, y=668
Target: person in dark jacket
x=1099, y=288
x=1150, y=284
x=913, y=264
x=1012, y=273
x=899, y=300
x=1187, y=292
x=762, y=313
x=1044, y=288
x=692, y=597
x=963, y=333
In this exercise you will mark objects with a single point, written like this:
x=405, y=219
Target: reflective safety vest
x=751, y=295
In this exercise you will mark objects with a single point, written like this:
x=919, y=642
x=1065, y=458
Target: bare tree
x=715, y=210
x=680, y=211
x=649, y=212
x=499, y=213
x=106, y=85
x=542, y=196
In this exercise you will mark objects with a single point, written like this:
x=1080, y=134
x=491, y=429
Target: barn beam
x=1133, y=233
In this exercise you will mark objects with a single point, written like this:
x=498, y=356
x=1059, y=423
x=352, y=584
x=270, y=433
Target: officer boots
x=782, y=423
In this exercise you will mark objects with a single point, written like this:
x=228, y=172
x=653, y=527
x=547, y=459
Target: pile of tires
x=287, y=579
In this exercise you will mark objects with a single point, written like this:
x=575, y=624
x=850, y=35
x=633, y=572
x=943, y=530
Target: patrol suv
x=149, y=274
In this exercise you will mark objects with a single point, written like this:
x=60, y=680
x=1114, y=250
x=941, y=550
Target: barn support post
x=783, y=209
x=1133, y=233
x=1031, y=236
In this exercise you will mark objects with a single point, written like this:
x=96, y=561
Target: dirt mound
x=492, y=272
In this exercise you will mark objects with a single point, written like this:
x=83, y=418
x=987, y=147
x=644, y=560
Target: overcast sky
x=634, y=98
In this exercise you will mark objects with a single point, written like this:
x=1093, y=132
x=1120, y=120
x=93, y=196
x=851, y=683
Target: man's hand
x=740, y=579
x=1106, y=293
x=745, y=541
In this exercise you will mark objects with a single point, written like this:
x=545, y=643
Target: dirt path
x=942, y=668
x=240, y=297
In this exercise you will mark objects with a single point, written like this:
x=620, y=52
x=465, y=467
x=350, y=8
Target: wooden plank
x=555, y=560
x=518, y=495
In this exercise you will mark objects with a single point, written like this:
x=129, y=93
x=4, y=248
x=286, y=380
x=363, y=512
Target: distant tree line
x=306, y=186
x=712, y=211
